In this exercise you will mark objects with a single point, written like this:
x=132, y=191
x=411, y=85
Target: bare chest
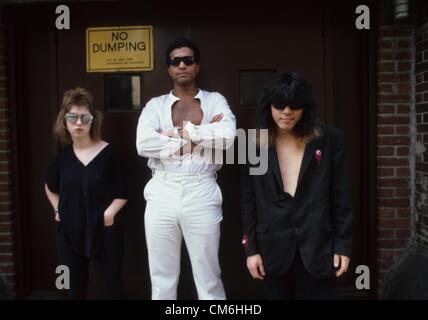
x=186, y=110
x=290, y=161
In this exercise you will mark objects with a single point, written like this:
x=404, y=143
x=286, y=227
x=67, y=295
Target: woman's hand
x=255, y=266
x=108, y=218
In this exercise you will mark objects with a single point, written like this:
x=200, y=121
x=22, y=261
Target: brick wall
x=7, y=256
x=421, y=146
x=395, y=65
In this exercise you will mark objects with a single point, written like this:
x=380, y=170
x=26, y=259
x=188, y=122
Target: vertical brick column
x=421, y=146
x=395, y=95
x=7, y=256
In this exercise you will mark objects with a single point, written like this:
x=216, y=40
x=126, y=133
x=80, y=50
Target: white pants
x=189, y=206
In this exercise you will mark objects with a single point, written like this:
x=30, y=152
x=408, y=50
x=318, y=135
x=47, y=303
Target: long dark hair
x=288, y=89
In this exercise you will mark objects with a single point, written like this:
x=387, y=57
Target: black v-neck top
x=84, y=194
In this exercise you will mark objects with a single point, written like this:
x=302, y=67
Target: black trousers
x=108, y=265
x=297, y=283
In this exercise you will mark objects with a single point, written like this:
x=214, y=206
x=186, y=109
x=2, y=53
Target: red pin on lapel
x=318, y=155
x=244, y=241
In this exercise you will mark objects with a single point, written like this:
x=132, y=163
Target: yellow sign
x=112, y=49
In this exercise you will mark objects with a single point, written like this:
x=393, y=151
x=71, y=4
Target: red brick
x=384, y=44
x=394, y=140
x=5, y=217
x=404, y=66
x=4, y=114
x=402, y=234
x=403, y=212
x=385, y=172
x=393, y=77
x=393, y=97
x=404, y=192
x=422, y=167
x=386, y=212
x=403, y=172
x=4, y=166
x=5, y=207
x=7, y=197
x=385, y=234
x=385, y=55
x=5, y=176
x=393, y=182
x=393, y=203
x=3, y=93
x=401, y=130
x=384, y=265
x=394, y=31
x=8, y=258
x=6, y=237
x=422, y=87
x=385, y=130
x=4, y=135
x=393, y=119
x=392, y=243
x=403, y=87
x=403, y=44
x=403, y=109
x=394, y=222
x=422, y=128
x=386, y=66
x=403, y=55
x=6, y=248
x=421, y=46
x=386, y=108
x=6, y=227
x=403, y=151
x=385, y=151
x=385, y=193
x=9, y=268
x=385, y=255
x=392, y=162
x=4, y=156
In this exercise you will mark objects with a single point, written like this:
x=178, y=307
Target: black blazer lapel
x=273, y=175
x=308, y=158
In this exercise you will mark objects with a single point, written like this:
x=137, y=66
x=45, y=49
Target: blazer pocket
x=262, y=227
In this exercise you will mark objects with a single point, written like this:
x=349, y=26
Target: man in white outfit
x=179, y=132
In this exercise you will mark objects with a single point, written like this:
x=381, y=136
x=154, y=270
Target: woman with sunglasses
x=297, y=217
x=86, y=187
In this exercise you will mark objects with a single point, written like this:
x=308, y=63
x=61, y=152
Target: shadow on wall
x=408, y=278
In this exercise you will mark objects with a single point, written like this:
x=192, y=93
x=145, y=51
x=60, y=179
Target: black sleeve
x=341, y=207
x=52, y=178
x=120, y=185
x=249, y=212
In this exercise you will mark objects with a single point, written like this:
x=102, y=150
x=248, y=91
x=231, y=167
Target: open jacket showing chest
x=317, y=220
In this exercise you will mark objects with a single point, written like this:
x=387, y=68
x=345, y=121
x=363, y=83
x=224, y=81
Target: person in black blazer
x=297, y=218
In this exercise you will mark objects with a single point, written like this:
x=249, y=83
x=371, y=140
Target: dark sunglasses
x=188, y=61
x=85, y=118
x=292, y=107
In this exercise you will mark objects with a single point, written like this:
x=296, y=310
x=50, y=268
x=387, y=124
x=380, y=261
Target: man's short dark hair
x=181, y=43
